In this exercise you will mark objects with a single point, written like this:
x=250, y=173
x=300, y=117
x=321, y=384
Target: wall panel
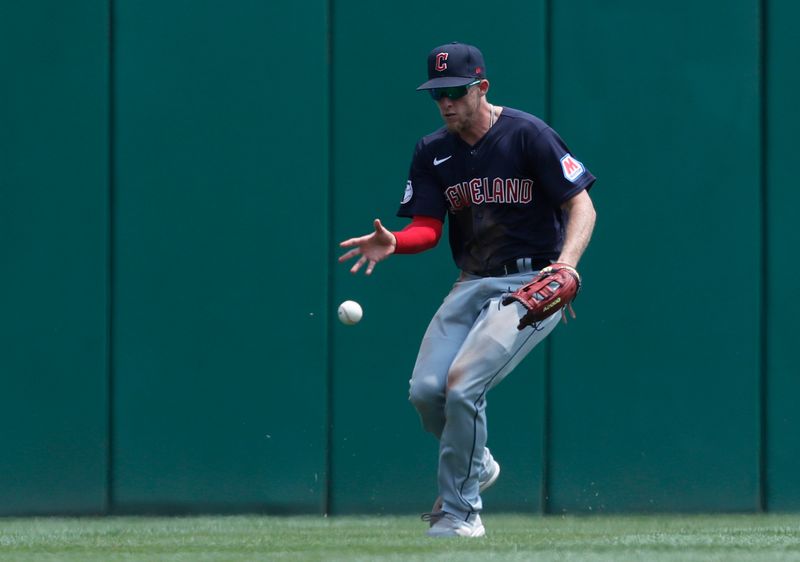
x=783, y=419
x=53, y=257
x=221, y=193
x=655, y=387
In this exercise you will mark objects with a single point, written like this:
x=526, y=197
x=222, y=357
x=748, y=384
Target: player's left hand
x=373, y=247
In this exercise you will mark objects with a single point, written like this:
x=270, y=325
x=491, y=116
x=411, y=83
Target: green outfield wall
x=54, y=252
x=175, y=177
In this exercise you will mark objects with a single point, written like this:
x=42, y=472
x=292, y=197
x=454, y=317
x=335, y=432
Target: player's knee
x=424, y=392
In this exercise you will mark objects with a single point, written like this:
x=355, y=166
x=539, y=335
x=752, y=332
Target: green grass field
x=650, y=538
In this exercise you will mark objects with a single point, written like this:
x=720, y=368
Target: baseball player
x=517, y=202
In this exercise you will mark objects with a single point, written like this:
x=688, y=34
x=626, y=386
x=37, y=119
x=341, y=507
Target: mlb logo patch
x=572, y=168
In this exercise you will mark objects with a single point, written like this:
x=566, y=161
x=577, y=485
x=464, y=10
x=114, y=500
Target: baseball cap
x=454, y=64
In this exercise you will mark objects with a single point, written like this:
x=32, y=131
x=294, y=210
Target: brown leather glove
x=553, y=288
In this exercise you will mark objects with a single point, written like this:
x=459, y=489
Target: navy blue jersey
x=502, y=195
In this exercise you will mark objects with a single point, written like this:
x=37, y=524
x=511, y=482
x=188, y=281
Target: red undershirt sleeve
x=421, y=234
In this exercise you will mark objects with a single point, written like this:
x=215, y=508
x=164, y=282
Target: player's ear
x=483, y=87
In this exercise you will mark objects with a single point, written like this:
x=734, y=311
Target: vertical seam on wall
x=327, y=498
x=544, y=493
x=764, y=191
x=548, y=61
x=110, y=267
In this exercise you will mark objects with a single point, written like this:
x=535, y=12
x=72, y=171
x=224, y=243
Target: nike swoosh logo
x=436, y=161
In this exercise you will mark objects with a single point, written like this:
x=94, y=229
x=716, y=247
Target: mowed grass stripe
x=657, y=538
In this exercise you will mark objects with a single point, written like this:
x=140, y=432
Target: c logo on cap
x=440, y=61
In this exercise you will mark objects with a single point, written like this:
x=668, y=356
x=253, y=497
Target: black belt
x=519, y=265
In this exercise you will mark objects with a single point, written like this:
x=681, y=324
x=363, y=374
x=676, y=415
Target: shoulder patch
x=408, y=194
x=571, y=167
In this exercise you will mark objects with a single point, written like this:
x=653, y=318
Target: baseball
x=350, y=312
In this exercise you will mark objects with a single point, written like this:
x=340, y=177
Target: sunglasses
x=454, y=92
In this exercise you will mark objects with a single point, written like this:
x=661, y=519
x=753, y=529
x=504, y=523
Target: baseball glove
x=553, y=289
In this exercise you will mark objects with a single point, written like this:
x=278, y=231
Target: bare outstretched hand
x=372, y=248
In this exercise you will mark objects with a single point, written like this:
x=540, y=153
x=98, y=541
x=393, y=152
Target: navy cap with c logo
x=454, y=64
